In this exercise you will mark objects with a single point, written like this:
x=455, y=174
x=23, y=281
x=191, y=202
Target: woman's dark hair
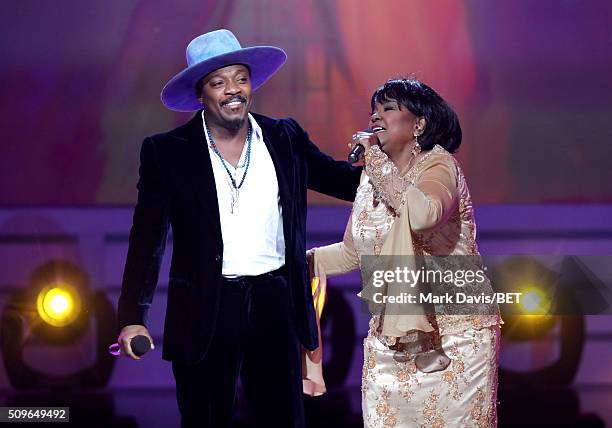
x=442, y=125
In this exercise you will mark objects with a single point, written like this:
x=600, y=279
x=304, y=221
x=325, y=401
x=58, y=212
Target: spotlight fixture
x=546, y=302
x=58, y=304
x=56, y=313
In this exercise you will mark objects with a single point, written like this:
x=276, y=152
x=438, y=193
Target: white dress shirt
x=253, y=239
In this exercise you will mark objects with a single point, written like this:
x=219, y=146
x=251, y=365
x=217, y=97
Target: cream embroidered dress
x=419, y=370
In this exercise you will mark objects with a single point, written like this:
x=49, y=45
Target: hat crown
x=211, y=44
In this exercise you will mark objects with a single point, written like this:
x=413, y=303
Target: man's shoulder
x=185, y=132
x=287, y=124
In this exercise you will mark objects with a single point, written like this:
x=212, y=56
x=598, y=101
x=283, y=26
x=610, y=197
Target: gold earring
x=417, y=147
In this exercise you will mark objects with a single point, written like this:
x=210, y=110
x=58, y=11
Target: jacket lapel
x=282, y=157
x=198, y=168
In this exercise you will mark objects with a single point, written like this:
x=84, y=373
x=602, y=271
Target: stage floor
x=586, y=406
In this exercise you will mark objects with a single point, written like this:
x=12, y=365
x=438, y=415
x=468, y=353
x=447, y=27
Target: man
x=233, y=187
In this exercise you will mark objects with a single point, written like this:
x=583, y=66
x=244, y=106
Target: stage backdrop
x=530, y=81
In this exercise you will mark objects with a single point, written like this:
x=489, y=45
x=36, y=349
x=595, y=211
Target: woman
x=420, y=369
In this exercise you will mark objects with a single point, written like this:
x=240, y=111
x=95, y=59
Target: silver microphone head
x=358, y=150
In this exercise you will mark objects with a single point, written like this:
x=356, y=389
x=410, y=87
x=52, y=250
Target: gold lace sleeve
x=431, y=191
x=389, y=186
x=434, y=197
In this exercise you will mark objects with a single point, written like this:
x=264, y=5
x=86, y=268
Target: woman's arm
x=431, y=199
x=434, y=197
x=337, y=258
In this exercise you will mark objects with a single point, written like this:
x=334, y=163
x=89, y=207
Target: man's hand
x=125, y=337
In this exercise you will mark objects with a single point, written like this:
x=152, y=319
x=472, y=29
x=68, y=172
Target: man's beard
x=231, y=125
x=234, y=125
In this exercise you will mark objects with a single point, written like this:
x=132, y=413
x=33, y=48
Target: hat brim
x=263, y=61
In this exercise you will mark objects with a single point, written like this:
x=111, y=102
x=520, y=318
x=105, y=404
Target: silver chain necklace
x=234, y=188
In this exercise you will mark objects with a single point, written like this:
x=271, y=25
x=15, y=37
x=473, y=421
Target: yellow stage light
x=534, y=301
x=58, y=304
x=531, y=301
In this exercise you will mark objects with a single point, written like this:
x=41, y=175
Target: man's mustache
x=235, y=98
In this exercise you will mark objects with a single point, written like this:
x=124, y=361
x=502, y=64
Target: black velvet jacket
x=177, y=188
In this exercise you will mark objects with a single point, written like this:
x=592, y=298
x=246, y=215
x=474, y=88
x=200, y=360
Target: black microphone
x=358, y=150
x=356, y=153
x=140, y=345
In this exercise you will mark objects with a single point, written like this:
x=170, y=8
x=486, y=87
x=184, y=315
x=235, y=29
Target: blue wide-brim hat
x=211, y=51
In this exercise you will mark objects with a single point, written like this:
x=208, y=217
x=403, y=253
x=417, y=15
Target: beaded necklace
x=235, y=188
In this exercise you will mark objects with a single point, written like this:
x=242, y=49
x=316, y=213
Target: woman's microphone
x=358, y=150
